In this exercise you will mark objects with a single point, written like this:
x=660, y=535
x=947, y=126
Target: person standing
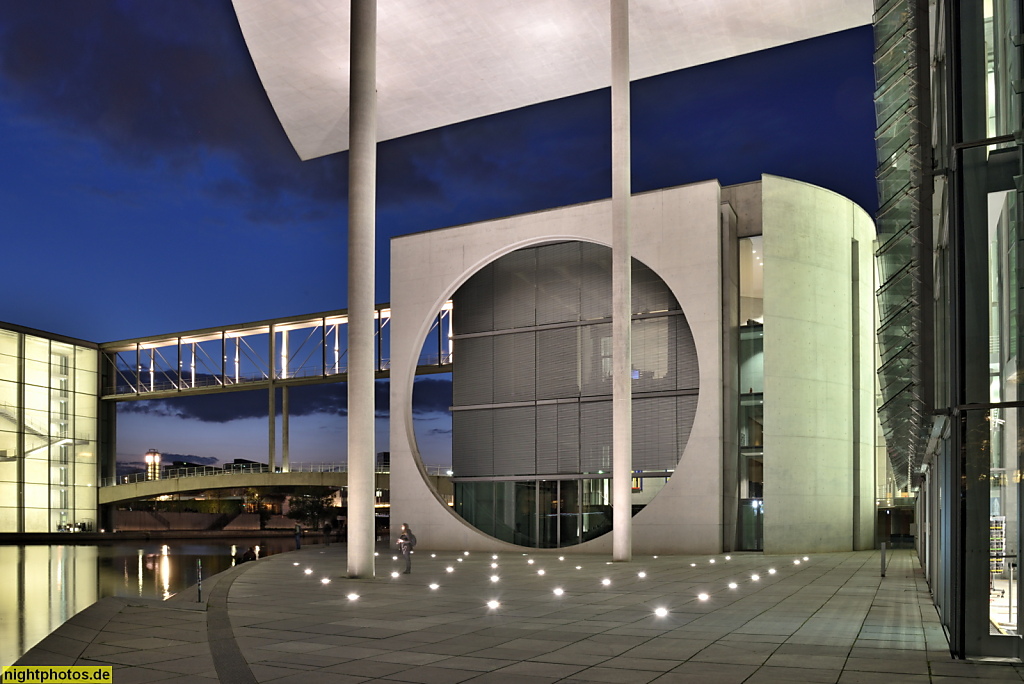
x=406, y=543
x=327, y=534
x=298, y=536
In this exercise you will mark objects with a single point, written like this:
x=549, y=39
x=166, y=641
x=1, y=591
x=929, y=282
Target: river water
x=46, y=585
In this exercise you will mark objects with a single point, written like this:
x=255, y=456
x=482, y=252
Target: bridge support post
x=285, y=462
x=362, y=197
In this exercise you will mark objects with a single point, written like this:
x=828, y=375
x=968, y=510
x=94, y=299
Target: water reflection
x=52, y=583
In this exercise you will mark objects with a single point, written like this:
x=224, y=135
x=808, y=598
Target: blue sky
x=147, y=186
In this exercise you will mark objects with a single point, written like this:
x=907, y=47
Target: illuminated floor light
x=733, y=585
x=579, y=567
x=641, y=574
x=541, y=571
x=394, y=574
x=394, y=558
x=433, y=555
x=693, y=565
x=728, y=558
x=655, y=557
x=755, y=577
x=702, y=597
x=661, y=612
x=294, y=563
x=353, y=597
x=530, y=562
x=465, y=553
x=771, y=571
x=559, y=591
x=493, y=604
x=711, y=561
x=494, y=565
x=375, y=553
x=606, y=581
x=806, y=558
x=459, y=560
x=495, y=578
x=308, y=571
x=434, y=585
x=325, y=580
x=449, y=569
x=796, y=562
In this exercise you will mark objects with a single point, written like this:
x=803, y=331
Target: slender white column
x=362, y=195
x=622, y=250
x=271, y=401
x=285, y=463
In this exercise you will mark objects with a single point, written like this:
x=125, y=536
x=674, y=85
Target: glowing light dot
x=641, y=574
x=394, y=574
x=559, y=591
x=494, y=565
x=433, y=555
x=494, y=578
x=434, y=585
x=465, y=553
x=733, y=585
x=493, y=604
x=693, y=565
x=654, y=556
x=459, y=560
x=755, y=577
x=294, y=563
x=530, y=562
x=541, y=571
x=394, y=558
x=375, y=553
x=561, y=558
x=308, y=571
x=661, y=612
x=449, y=569
x=606, y=581
x=806, y=558
x=494, y=557
x=325, y=580
x=796, y=562
x=702, y=597
x=353, y=597
x=771, y=571
x=579, y=567
x=728, y=558
x=711, y=561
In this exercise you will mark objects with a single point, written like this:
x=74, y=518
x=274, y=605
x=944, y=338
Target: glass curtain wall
x=48, y=424
x=978, y=280
x=751, y=408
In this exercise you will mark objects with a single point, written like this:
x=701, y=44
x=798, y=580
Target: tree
x=311, y=509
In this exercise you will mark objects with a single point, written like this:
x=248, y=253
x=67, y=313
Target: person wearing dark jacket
x=406, y=543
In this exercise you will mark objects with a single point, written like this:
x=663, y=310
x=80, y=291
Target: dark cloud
x=430, y=396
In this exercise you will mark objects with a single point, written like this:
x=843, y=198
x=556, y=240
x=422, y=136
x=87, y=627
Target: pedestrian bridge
x=175, y=481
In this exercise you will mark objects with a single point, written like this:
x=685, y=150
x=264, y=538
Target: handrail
x=241, y=468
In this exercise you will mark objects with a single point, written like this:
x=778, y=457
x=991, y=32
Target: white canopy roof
x=445, y=61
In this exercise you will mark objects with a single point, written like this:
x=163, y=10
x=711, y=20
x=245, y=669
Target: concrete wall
x=677, y=234
x=818, y=370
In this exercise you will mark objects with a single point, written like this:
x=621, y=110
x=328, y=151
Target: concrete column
x=272, y=404
x=622, y=366
x=362, y=191
x=285, y=464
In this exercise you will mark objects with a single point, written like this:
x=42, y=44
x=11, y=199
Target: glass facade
x=751, y=399
x=48, y=434
x=532, y=410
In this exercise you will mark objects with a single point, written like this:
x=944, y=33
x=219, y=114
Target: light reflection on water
x=46, y=585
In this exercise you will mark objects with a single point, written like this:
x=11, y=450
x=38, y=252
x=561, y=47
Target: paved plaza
x=294, y=617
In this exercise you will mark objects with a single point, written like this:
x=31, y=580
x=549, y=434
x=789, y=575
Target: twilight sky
x=147, y=187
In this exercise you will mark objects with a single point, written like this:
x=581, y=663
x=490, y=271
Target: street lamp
x=152, y=464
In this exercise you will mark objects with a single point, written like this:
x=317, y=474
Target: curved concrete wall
x=676, y=233
x=818, y=370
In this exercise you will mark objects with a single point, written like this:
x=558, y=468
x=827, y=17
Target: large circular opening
x=531, y=409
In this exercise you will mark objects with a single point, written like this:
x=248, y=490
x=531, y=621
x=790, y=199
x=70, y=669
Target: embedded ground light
x=493, y=604
x=308, y=571
x=733, y=585
x=641, y=574
x=559, y=591
x=394, y=574
x=449, y=569
x=771, y=571
x=541, y=571
x=606, y=581
x=702, y=597
x=755, y=577
x=494, y=565
x=325, y=580
x=661, y=612
x=495, y=578
x=353, y=596
x=433, y=585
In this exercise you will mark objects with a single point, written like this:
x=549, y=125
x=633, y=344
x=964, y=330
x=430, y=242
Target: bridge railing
x=237, y=468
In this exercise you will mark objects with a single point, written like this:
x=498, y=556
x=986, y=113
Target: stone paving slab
x=828, y=619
